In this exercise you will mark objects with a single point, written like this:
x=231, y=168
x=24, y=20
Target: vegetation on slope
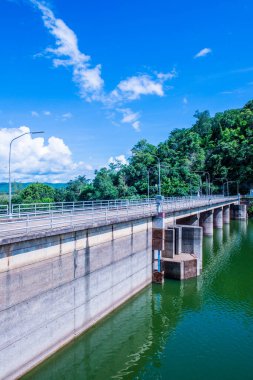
x=221, y=145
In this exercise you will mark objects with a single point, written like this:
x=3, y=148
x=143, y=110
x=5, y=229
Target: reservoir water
x=196, y=329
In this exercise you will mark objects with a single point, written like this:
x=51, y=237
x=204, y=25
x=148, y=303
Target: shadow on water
x=199, y=328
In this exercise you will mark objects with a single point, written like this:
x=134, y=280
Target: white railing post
x=71, y=218
x=27, y=224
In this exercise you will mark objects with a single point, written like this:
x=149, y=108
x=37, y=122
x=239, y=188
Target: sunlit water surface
x=196, y=329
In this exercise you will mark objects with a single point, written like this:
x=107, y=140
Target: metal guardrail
x=23, y=223
x=42, y=208
x=3, y=209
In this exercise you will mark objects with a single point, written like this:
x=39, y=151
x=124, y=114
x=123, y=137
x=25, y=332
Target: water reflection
x=226, y=232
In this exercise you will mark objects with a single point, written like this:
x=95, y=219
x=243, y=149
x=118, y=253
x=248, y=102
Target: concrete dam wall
x=55, y=287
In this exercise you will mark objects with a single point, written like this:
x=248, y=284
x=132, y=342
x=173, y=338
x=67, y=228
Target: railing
x=3, y=209
x=43, y=208
x=23, y=223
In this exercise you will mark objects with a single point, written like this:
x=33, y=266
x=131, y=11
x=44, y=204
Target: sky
x=98, y=76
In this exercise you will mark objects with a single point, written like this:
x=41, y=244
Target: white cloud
x=203, y=52
x=47, y=113
x=130, y=117
x=185, y=100
x=34, y=159
x=134, y=87
x=167, y=76
x=232, y=92
x=66, y=53
x=67, y=116
x=136, y=126
x=121, y=159
x=34, y=114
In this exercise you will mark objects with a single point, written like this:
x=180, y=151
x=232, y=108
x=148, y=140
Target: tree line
x=219, y=148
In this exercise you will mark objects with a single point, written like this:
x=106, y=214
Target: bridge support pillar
x=206, y=221
x=192, y=241
x=192, y=220
x=158, y=246
x=218, y=217
x=226, y=214
x=238, y=212
x=187, y=262
x=172, y=242
x=169, y=244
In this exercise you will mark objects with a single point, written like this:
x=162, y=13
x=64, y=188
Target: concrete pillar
x=226, y=214
x=192, y=243
x=178, y=240
x=182, y=267
x=206, y=221
x=192, y=220
x=158, y=226
x=158, y=246
x=238, y=212
x=218, y=217
x=172, y=241
x=169, y=243
x=182, y=256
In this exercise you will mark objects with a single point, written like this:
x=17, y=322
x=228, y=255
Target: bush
x=37, y=193
x=250, y=209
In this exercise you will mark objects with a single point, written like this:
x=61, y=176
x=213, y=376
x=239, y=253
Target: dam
x=60, y=273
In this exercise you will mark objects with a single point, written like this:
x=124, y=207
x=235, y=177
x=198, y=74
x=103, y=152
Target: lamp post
x=148, y=172
x=159, y=174
x=209, y=181
x=223, y=184
x=15, y=138
x=161, y=165
x=237, y=186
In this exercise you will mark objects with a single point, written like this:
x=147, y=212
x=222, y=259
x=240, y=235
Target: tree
x=103, y=184
x=37, y=193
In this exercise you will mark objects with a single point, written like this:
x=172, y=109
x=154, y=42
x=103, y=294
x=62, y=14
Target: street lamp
x=209, y=181
x=221, y=179
x=15, y=138
x=237, y=186
x=159, y=173
x=148, y=172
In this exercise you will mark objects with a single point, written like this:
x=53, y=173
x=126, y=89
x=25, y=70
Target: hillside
x=4, y=186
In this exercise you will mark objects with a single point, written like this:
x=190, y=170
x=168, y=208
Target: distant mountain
x=4, y=186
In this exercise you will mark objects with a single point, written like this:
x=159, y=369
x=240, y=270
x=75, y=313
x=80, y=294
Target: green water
x=197, y=329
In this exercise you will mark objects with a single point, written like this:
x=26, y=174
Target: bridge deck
x=31, y=225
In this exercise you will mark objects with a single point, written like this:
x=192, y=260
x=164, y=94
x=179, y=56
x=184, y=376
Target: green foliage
x=250, y=209
x=36, y=193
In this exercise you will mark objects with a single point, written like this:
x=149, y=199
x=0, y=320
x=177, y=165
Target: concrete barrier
x=53, y=289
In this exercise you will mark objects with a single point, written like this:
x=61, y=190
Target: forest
x=217, y=149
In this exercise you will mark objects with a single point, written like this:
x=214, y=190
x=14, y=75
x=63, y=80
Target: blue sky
x=112, y=72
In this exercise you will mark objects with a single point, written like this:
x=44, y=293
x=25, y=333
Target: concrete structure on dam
x=61, y=273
